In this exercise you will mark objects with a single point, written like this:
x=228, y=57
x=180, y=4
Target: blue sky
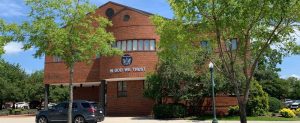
x=16, y=11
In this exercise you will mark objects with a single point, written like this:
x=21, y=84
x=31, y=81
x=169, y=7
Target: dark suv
x=83, y=112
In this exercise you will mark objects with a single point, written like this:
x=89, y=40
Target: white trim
x=85, y=84
x=76, y=84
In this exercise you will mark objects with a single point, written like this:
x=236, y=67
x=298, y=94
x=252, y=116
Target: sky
x=15, y=11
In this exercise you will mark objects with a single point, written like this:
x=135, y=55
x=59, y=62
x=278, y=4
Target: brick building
x=122, y=77
x=116, y=82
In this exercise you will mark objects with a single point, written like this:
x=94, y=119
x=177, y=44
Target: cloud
x=292, y=75
x=13, y=48
x=296, y=76
x=8, y=8
x=297, y=36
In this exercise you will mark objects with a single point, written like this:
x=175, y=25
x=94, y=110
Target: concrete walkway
x=31, y=119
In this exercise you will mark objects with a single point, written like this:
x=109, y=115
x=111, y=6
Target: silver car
x=83, y=112
x=295, y=104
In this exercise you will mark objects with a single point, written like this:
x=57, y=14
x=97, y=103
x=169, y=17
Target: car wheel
x=79, y=119
x=42, y=119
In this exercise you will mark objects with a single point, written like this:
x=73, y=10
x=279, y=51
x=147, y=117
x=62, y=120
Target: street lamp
x=211, y=68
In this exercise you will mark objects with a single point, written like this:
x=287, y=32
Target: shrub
x=275, y=104
x=287, y=113
x=233, y=110
x=258, y=103
x=297, y=112
x=169, y=111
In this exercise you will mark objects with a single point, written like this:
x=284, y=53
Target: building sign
x=127, y=69
x=126, y=60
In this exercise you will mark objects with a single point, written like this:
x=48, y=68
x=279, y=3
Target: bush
x=287, y=113
x=275, y=104
x=169, y=111
x=233, y=110
x=258, y=103
x=297, y=112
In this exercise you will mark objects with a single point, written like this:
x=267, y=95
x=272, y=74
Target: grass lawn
x=258, y=118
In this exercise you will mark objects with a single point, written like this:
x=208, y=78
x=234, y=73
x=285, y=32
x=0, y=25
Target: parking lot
x=30, y=119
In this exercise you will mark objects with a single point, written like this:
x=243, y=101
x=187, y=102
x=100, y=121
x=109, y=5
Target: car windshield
x=297, y=101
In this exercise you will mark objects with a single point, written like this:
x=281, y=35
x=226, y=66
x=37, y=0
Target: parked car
x=295, y=104
x=51, y=104
x=83, y=112
x=23, y=105
x=288, y=102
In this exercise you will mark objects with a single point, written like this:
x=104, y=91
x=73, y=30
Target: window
x=56, y=59
x=85, y=105
x=61, y=106
x=135, y=45
x=97, y=55
x=109, y=12
x=114, y=45
x=231, y=44
x=134, y=48
x=204, y=44
x=122, y=89
x=152, y=45
x=147, y=45
x=141, y=45
x=126, y=18
x=124, y=45
x=119, y=44
x=129, y=45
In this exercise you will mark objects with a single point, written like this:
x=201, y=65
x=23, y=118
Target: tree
x=68, y=29
x=266, y=22
x=8, y=33
x=176, y=71
x=11, y=82
x=294, y=90
x=181, y=73
x=34, y=88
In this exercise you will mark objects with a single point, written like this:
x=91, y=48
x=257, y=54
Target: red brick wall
x=86, y=93
x=222, y=104
x=132, y=105
x=138, y=27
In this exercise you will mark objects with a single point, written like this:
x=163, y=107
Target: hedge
x=162, y=111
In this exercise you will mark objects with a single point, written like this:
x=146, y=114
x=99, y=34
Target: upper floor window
x=152, y=45
x=56, y=59
x=231, y=44
x=136, y=45
x=147, y=45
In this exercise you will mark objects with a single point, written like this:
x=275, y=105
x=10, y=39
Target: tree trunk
x=71, y=70
x=243, y=114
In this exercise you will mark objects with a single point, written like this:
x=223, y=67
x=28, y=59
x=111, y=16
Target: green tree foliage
x=294, y=90
x=176, y=59
x=12, y=80
x=181, y=73
x=68, y=29
x=266, y=22
x=8, y=33
x=275, y=104
x=258, y=103
x=16, y=85
x=34, y=87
